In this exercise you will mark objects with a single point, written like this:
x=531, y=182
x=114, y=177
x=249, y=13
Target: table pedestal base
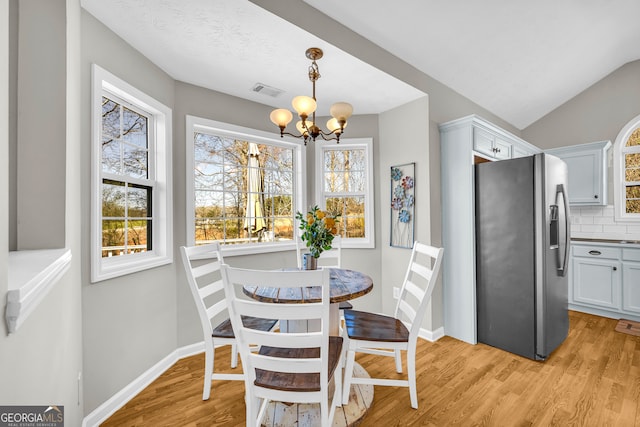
x=308, y=414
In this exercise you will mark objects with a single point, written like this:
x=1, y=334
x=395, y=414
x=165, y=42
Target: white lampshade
x=281, y=117
x=304, y=105
x=341, y=110
x=334, y=126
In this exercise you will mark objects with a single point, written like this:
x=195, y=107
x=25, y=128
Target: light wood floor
x=593, y=379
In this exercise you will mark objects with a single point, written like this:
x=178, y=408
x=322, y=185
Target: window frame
x=193, y=123
x=619, y=187
x=160, y=173
x=369, y=218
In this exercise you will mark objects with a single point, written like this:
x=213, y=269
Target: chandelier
x=305, y=106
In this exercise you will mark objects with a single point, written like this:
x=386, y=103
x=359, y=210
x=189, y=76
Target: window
x=244, y=186
x=627, y=172
x=131, y=186
x=344, y=186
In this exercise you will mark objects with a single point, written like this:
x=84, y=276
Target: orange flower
x=320, y=214
x=330, y=222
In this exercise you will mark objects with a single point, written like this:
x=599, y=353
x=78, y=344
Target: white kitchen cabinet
x=605, y=278
x=631, y=280
x=460, y=142
x=490, y=144
x=596, y=282
x=587, y=164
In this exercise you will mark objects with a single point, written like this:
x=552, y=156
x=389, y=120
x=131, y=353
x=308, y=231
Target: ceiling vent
x=267, y=90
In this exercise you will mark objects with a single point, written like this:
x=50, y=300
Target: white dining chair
x=389, y=335
x=289, y=367
x=202, y=268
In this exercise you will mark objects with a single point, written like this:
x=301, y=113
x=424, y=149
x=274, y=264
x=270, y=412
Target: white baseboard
x=118, y=400
x=431, y=335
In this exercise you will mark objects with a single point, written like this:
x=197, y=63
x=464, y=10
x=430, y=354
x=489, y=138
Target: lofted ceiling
x=519, y=60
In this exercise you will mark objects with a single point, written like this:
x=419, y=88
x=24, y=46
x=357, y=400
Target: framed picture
x=402, y=205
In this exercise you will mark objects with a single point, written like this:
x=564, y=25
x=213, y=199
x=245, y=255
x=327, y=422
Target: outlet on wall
x=396, y=292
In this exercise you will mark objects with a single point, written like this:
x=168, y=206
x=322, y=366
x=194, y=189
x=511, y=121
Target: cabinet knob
x=595, y=197
x=615, y=268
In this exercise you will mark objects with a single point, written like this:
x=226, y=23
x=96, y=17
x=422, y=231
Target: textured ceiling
x=518, y=59
x=230, y=45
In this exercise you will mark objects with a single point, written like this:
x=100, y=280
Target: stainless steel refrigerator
x=522, y=254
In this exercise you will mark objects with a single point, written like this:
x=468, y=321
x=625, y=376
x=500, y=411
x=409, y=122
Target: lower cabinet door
x=596, y=282
x=631, y=287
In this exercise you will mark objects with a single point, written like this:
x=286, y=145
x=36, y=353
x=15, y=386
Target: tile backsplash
x=598, y=222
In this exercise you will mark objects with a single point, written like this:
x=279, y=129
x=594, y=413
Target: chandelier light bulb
x=334, y=126
x=281, y=117
x=304, y=105
x=301, y=128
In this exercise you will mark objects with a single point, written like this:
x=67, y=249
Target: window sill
x=31, y=275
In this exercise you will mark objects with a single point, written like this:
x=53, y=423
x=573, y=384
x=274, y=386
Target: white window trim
x=162, y=253
x=619, y=195
x=356, y=143
x=194, y=123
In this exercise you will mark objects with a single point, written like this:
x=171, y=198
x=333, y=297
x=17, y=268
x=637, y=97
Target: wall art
x=402, y=205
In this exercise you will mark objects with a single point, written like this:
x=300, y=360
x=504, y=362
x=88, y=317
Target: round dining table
x=344, y=285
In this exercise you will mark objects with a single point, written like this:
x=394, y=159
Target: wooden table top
x=345, y=285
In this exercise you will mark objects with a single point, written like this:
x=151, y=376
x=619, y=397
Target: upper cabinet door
x=587, y=164
x=490, y=145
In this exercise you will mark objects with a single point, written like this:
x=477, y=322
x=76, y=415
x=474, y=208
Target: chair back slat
x=414, y=290
x=216, y=309
x=409, y=314
x=204, y=269
x=421, y=270
x=297, y=366
x=210, y=289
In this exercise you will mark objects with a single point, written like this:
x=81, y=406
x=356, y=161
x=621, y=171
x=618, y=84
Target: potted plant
x=318, y=229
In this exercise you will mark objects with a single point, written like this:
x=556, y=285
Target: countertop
x=605, y=241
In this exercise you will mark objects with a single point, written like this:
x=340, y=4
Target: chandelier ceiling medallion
x=305, y=106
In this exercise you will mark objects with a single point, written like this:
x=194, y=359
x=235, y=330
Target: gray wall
x=196, y=101
x=129, y=322
x=41, y=126
x=404, y=138
x=596, y=114
x=40, y=363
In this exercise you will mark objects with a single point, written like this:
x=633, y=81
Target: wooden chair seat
x=225, y=330
x=297, y=382
x=361, y=325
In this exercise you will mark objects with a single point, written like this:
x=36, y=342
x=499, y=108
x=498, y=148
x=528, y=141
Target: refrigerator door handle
x=560, y=191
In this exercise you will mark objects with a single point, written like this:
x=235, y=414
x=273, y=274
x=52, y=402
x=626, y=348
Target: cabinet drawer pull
x=595, y=253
